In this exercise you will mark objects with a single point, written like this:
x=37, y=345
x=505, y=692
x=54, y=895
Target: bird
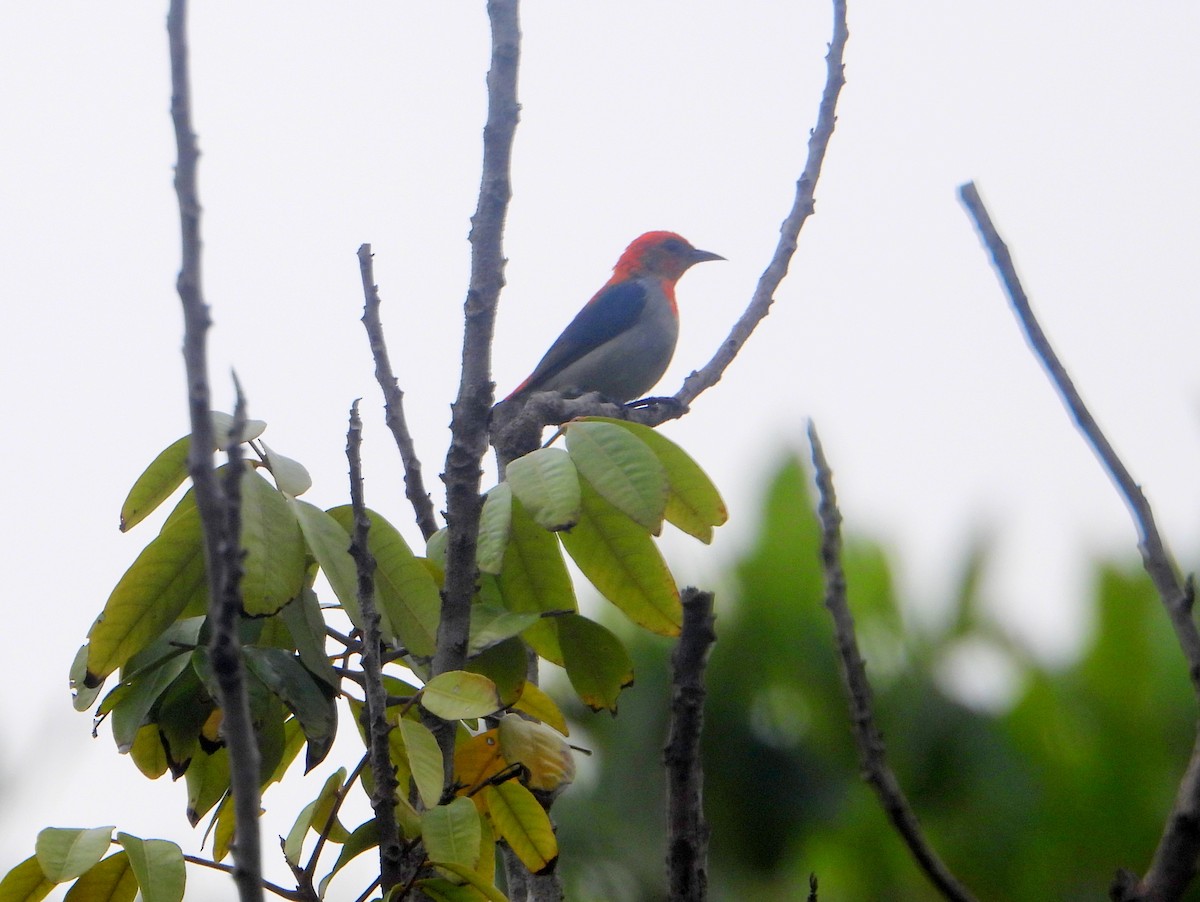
x=622, y=340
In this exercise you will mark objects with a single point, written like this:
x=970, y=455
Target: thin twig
x=1155, y=557
x=270, y=887
x=374, y=715
x=323, y=835
x=218, y=516
x=469, y=422
x=872, y=754
x=687, y=829
x=1174, y=864
x=803, y=206
x=393, y=398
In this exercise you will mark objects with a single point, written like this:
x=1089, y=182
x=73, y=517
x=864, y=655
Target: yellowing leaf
x=165, y=474
x=621, y=560
x=522, y=822
x=25, y=883
x=538, y=705
x=457, y=694
x=477, y=759
x=545, y=755
x=165, y=578
x=621, y=468
x=545, y=481
x=112, y=880
x=424, y=759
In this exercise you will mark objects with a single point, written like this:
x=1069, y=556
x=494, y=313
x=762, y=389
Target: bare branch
x=374, y=715
x=393, y=398
x=1155, y=557
x=687, y=829
x=1174, y=863
x=282, y=892
x=219, y=516
x=789, y=232
x=872, y=754
x=469, y=422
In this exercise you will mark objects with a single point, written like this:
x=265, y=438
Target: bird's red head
x=662, y=254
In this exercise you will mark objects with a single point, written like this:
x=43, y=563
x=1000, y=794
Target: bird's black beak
x=699, y=256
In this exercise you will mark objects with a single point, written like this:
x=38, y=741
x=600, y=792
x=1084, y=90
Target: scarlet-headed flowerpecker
x=622, y=340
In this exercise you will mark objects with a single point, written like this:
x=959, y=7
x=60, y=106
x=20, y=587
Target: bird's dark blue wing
x=613, y=310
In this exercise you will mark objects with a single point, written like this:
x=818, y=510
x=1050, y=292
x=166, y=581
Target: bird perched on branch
x=622, y=340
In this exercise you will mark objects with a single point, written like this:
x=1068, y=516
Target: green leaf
x=181, y=713
x=306, y=626
x=490, y=626
x=365, y=836
x=25, y=883
x=472, y=877
x=293, y=845
x=621, y=560
x=324, y=810
x=424, y=760
x=112, y=880
x=329, y=544
x=457, y=694
x=597, y=663
x=522, y=822
x=273, y=569
x=622, y=469
x=314, y=817
x=286, y=677
x=494, y=523
x=207, y=779
x=158, y=866
x=64, y=853
x=506, y=665
x=451, y=833
x=534, y=576
x=694, y=505
x=131, y=712
x=153, y=592
x=545, y=481
x=407, y=597
x=165, y=474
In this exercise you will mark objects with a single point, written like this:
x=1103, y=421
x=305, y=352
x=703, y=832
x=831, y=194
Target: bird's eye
x=673, y=246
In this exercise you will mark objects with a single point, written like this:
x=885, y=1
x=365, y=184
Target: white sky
x=326, y=125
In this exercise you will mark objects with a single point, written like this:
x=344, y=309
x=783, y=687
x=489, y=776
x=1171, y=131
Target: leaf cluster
x=601, y=499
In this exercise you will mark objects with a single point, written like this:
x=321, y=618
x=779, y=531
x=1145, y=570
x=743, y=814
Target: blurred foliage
x=1041, y=797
